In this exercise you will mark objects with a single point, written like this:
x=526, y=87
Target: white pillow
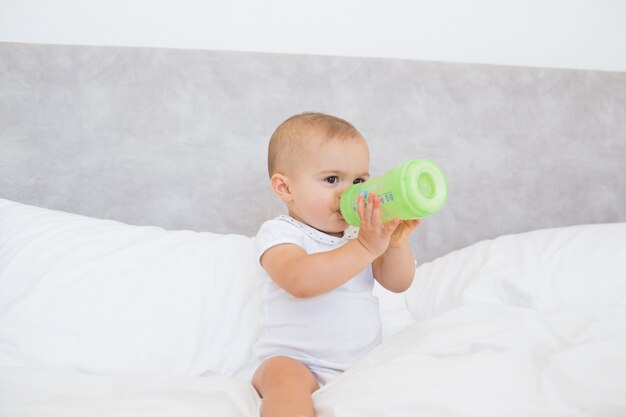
x=576, y=266
x=78, y=293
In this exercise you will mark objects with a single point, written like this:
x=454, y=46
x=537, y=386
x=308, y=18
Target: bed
x=132, y=182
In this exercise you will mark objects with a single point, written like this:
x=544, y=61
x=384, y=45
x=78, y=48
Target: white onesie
x=327, y=332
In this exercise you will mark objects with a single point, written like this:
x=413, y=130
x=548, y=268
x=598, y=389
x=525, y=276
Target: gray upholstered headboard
x=178, y=138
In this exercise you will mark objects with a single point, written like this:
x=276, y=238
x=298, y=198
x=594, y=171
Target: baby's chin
x=338, y=230
x=334, y=226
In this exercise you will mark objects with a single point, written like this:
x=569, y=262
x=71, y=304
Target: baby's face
x=318, y=181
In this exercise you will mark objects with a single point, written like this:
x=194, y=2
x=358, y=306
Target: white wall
x=588, y=34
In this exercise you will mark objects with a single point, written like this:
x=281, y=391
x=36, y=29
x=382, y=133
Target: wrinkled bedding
x=475, y=360
x=101, y=318
x=36, y=392
x=492, y=360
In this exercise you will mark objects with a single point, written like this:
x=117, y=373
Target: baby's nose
x=341, y=190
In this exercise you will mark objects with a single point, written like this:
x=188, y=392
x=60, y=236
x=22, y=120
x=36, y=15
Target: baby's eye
x=333, y=179
x=358, y=181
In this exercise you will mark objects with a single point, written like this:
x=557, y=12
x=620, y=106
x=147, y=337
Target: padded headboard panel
x=178, y=138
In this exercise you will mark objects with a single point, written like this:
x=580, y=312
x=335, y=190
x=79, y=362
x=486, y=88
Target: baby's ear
x=280, y=185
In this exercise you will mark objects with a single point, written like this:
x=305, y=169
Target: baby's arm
x=395, y=268
x=307, y=275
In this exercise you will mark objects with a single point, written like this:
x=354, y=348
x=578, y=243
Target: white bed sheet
x=491, y=360
x=28, y=392
x=474, y=360
x=527, y=325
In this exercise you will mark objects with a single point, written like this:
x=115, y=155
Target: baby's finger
x=360, y=207
x=392, y=226
x=412, y=224
x=377, y=219
x=370, y=207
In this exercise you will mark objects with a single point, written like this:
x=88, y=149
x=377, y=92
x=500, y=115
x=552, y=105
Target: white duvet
x=492, y=360
x=523, y=325
x=476, y=360
x=43, y=393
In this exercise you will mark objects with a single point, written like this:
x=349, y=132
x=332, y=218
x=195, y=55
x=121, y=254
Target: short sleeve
x=276, y=232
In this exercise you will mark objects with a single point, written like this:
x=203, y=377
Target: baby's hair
x=293, y=135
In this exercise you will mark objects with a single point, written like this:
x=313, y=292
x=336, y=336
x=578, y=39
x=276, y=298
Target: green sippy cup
x=412, y=190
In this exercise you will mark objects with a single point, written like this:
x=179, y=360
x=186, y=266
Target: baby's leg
x=285, y=385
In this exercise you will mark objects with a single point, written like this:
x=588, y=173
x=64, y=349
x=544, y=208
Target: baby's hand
x=373, y=234
x=401, y=236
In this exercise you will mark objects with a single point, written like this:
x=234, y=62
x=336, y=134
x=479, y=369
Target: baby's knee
x=283, y=371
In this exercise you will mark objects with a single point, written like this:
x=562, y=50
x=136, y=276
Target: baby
x=320, y=314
